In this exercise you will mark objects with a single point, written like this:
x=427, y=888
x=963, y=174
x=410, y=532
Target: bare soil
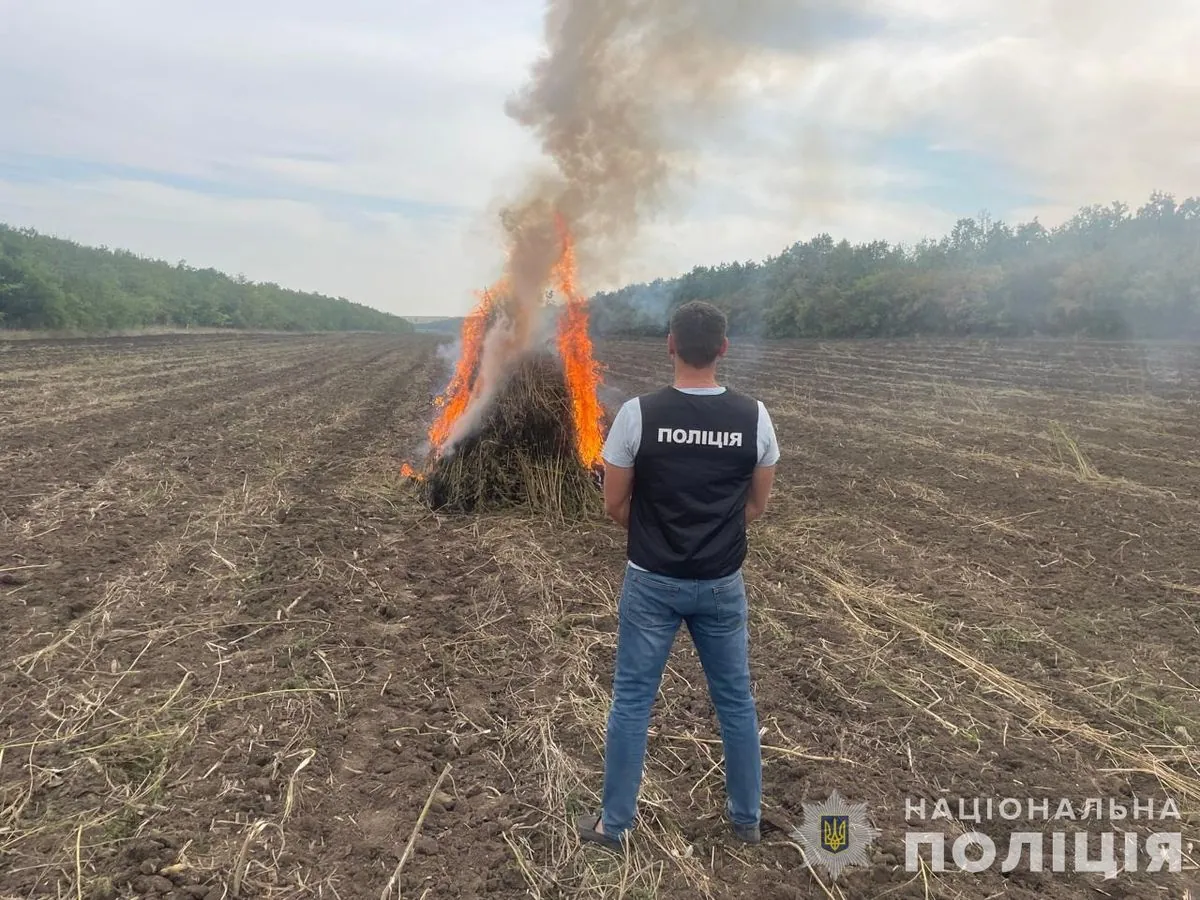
x=239, y=652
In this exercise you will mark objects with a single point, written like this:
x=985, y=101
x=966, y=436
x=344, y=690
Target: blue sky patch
x=958, y=181
x=27, y=168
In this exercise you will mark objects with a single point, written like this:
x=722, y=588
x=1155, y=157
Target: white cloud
x=213, y=90
x=301, y=109
x=1089, y=102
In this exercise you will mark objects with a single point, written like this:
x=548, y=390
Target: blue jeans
x=651, y=608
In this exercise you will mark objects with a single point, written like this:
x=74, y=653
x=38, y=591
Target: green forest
x=1107, y=273
x=52, y=284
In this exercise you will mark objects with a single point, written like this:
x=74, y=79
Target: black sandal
x=587, y=825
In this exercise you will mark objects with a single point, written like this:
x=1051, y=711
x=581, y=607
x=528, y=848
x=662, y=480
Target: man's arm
x=760, y=490
x=620, y=452
x=618, y=490
x=764, y=474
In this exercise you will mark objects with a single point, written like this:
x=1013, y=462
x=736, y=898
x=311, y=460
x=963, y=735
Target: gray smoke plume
x=624, y=92
x=618, y=101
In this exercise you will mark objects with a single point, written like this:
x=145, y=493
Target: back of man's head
x=698, y=330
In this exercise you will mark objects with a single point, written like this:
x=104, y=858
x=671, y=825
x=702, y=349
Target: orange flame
x=407, y=471
x=575, y=347
x=453, y=402
x=581, y=372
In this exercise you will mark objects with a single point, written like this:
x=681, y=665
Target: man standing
x=686, y=469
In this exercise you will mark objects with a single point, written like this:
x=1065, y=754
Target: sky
x=362, y=149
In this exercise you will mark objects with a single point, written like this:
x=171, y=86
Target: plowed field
x=238, y=652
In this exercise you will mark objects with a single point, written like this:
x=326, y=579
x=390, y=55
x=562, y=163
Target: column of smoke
x=624, y=86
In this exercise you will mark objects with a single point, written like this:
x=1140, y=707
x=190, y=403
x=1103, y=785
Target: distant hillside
x=437, y=324
x=47, y=283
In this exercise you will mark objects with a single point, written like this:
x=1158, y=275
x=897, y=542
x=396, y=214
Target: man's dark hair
x=699, y=330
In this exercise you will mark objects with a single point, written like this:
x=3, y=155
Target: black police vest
x=691, y=478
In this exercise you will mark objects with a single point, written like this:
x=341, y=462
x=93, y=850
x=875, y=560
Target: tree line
x=52, y=284
x=1108, y=272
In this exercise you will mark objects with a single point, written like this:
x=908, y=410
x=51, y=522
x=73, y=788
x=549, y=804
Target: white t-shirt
x=625, y=435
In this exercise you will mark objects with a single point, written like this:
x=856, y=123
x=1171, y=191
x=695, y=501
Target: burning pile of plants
x=523, y=451
x=520, y=422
